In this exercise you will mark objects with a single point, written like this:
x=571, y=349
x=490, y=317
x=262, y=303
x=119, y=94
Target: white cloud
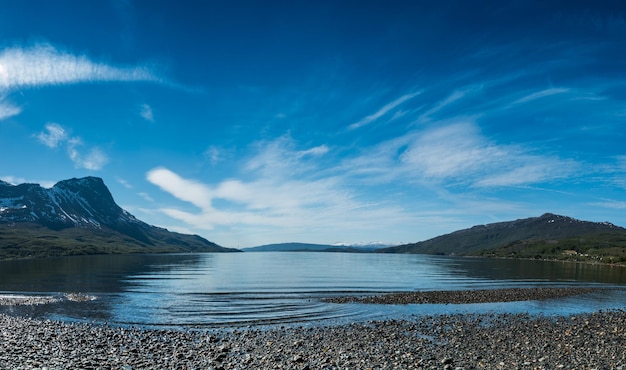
x=611, y=204
x=53, y=135
x=382, y=111
x=284, y=191
x=190, y=191
x=94, y=160
x=213, y=154
x=530, y=170
x=124, y=183
x=146, y=113
x=292, y=204
x=539, y=95
x=449, y=100
x=450, y=151
x=279, y=158
x=7, y=109
x=146, y=196
x=43, y=64
x=456, y=153
x=316, y=151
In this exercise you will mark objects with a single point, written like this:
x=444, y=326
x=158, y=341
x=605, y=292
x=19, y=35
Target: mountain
x=549, y=235
x=79, y=216
x=306, y=247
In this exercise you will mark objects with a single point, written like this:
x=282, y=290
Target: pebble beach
x=478, y=341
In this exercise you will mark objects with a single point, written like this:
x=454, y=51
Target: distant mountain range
x=79, y=216
x=306, y=247
x=547, y=236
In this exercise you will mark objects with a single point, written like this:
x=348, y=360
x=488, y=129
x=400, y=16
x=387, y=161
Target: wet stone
x=489, y=341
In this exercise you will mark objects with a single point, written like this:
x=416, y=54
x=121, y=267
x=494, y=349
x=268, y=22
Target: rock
x=447, y=361
x=497, y=341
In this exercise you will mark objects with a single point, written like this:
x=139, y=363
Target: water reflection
x=183, y=290
x=549, y=271
x=98, y=274
x=104, y=276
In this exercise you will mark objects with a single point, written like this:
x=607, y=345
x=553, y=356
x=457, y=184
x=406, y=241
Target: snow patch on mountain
x=82, y=202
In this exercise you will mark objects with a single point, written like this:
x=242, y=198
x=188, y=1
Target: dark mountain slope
x=511, y=238
x=79, y=216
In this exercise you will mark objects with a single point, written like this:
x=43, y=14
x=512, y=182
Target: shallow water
x=240, y=289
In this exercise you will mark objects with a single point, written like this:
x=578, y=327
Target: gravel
x=468, y=296
x=482, y=341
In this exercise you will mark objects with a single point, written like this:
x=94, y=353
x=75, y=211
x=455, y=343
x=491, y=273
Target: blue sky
x=254, y=122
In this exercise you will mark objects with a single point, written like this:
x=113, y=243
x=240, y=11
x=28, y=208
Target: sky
x=256, y=122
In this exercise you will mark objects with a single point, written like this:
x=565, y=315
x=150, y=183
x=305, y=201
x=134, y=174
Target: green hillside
x=546, y=237
x=35, y=241
x=609, y=247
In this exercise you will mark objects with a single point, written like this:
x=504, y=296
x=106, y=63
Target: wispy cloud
x=93, y=160
x=440, y=105
x=147, y=197
x=316, y=151
x=451, y=151
x=382, y=111
x=47, y=65
x=456, y=153
x=539, y=95
x=7, y=109
x=54, y=135
x=282, y=189
x=123, y=182
x=280, y=157
x=146, y=112
x=43, y=64
x=190, y=191
x=611, y=204
x=293, y=205
x=213, y=154
x=453, y=167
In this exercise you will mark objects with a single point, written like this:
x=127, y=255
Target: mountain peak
x=87, y=204
x=82, y=181
x=548, y=226
x=554, y=217
x=84, y=202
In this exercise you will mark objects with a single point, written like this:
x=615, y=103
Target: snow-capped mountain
x=365, y=245
x=81, y=213
x=84, y=202
x=308, y=247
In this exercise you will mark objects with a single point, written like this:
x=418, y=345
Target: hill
x=307, y=247
x=548, y=236
x=79, y=216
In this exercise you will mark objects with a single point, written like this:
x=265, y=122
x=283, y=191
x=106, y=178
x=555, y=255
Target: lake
x=267, y=288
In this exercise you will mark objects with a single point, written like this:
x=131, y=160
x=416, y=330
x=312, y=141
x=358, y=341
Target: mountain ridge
x=80, y=216
x=312, y=247
x=533, y=237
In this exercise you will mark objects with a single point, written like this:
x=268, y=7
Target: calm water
x=234, y=289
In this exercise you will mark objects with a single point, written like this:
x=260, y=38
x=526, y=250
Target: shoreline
x=586, y=261
x=413, y=297
x=457, y=341
x=467, y=296
x=484, y=341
